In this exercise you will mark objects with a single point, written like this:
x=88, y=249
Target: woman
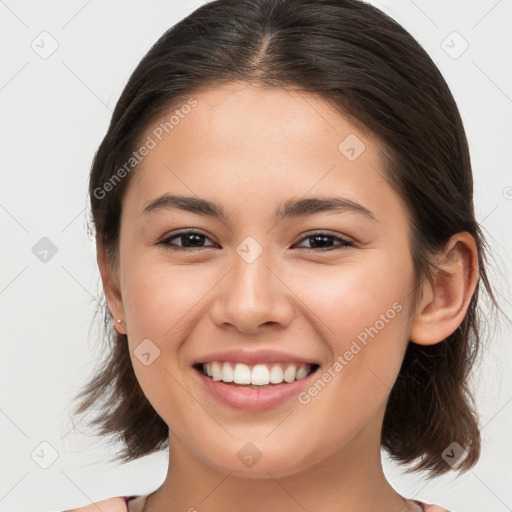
x=289, y=252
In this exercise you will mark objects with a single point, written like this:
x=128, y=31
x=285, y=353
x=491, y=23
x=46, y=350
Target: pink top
x=120, y=504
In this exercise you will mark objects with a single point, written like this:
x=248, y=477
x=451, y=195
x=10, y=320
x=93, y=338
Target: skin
x=249, y=148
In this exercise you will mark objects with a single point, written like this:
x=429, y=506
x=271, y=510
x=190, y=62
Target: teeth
x=256, y=375
x=227, y=373
x=216, y=371
x=276, y=374
x=302, y=372
x=242, y=374
x=290, y=372
x=260, y=375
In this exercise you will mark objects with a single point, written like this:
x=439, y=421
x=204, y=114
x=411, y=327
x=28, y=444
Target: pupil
x=324, y=238
x=190, y=236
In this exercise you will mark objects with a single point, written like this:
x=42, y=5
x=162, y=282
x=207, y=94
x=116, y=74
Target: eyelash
x=344, y=243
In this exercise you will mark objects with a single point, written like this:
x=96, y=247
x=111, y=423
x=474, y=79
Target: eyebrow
x=290, y=208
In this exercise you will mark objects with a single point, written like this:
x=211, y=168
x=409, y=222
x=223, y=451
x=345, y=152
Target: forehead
x=256, y=113
x=259, y=144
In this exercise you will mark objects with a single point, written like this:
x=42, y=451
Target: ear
x=445, y=301
x=109, y=280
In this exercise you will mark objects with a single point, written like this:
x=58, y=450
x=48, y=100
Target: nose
x=253, y=297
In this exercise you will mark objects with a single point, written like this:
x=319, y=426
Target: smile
x=279, y=383
x=257, y=374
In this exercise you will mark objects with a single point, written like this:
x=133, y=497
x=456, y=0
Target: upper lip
x=254, y=357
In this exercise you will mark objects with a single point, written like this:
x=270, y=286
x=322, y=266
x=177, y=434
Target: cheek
x=353, y=296
x=361, y=314
x=159, y=306
x=161, y=297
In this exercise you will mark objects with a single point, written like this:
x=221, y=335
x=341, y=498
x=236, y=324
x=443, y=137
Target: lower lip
x=251, y=399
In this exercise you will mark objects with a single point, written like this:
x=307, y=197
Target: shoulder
x=117, y=504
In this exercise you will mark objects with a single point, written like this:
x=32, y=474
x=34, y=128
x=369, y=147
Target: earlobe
x=110, y=288
x=446, y=299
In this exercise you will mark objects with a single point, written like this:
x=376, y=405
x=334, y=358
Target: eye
x=322, y=240
x=194, y=239
x=189, y=240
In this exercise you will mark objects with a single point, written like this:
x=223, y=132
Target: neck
x=350, y=479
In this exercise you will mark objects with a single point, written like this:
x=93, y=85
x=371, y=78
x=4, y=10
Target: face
x=329, y=286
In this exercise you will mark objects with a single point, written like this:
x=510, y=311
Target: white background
x=54, y=113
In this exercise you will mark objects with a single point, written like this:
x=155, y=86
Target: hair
x=372, y=71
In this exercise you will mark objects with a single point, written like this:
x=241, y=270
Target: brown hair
x=372, y=70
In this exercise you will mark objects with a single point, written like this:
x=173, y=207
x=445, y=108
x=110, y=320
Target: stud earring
x=119, y=321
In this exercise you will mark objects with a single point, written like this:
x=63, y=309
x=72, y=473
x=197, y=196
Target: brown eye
x=196, y=240
x=323, y=241
x=189, y=240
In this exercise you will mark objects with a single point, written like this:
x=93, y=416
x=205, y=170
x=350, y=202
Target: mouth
x=255, y=376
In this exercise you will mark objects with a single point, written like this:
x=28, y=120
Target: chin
x=251, y=462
